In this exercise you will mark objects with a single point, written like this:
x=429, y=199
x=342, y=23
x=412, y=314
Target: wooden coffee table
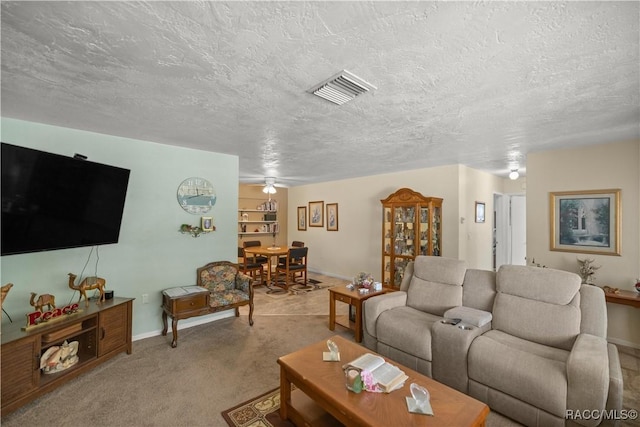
x=321, y=397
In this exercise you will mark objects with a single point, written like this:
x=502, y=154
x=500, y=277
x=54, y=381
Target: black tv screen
x=50, y=201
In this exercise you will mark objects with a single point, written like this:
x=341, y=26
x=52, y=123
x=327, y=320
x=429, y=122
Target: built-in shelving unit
x=261, y=219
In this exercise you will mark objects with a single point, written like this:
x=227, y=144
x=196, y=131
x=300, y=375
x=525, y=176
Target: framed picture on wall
x=316, y=214
x=480, y=211
x=207, y=223
x=302, y=218
x=332, y=217
x=585, y=221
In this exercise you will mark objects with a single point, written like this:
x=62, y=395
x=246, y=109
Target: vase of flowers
x=363, y=280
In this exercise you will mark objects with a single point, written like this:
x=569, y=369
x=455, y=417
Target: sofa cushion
x=538, y=304
x=219, y=278
x=530, y=372
x=407, y=329
x=436, y=285
x=541, y=284
x=479, y=289
x=234, y=296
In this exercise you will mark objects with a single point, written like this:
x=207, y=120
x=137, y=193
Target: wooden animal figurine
x=5, y=290
x=44, y=299
x=88, y=284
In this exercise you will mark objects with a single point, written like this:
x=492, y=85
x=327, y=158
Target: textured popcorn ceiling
x=475, y=83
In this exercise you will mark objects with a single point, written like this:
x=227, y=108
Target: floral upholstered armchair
x=228, y=287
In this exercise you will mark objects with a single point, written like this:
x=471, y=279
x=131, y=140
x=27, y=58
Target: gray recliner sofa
x=543, y=355
x=398, y=324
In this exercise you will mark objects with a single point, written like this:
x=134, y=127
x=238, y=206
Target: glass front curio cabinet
x=411, y=226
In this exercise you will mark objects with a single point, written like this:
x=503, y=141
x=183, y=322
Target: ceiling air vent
x=341, y=88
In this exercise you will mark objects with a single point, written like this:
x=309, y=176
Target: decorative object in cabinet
x=411, y=226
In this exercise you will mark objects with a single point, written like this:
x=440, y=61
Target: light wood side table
x=355, y=299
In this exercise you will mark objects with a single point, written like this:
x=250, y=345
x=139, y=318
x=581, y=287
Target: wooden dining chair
x=247, y=266
x=294, y=244
x=255, y=258
x=295, y=262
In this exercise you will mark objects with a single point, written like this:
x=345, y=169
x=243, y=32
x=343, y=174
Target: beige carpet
x=215, y=367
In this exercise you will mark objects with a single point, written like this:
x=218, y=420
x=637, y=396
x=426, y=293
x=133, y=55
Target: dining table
x=267, y=251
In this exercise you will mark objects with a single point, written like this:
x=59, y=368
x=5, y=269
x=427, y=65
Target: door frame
x=502, y=235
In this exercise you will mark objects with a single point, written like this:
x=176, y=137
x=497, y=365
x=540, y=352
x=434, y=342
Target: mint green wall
x=151, y=254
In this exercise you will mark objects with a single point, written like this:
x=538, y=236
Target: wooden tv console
x=102, y=331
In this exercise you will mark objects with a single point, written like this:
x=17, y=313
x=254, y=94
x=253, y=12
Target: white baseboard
x=187, y=323
x=329, y=274
x=623, y=342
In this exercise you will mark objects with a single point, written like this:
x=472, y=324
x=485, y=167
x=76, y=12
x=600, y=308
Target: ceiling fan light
x=269, y=189
x=514, y=174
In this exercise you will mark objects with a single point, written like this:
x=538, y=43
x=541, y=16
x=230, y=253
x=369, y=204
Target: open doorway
x=509, y=230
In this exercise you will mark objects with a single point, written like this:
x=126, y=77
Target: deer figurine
x=44, y=299
x=88, y=284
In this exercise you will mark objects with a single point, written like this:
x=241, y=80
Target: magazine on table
x=387, y=376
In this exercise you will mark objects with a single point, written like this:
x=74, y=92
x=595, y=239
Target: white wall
x=591, y=168
x=357, y=245
x=151, y=254
x=478, y=237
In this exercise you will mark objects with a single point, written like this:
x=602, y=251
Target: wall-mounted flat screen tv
x=50, y=201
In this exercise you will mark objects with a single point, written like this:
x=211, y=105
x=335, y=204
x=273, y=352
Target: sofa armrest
x=374, y=306
x=450, y=347
x=243, y=282
x=588, y=376
x=614, y=398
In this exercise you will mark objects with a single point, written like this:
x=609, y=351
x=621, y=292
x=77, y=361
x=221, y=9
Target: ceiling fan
x=269, y=185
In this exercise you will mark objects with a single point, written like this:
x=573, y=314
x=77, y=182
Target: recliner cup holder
x=465, y=327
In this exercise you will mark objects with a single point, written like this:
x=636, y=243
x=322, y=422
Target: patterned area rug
x=261, y=411
x=297, y=289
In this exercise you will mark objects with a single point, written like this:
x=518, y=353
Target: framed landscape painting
x=585, y=221
x=316, y=214
x=332, y=217
x=302, y=218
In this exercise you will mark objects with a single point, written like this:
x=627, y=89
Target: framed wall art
x=302, y=218
x=316, y=214
x=480, y=211
x=332, y=217
x=585, y=221
x=206, y=223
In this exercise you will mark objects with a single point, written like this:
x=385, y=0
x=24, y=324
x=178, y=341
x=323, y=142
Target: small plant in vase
x=587, y=270
x=363, y=280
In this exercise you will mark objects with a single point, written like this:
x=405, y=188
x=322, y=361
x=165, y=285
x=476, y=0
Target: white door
x=518, y=229
x=510, y=231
